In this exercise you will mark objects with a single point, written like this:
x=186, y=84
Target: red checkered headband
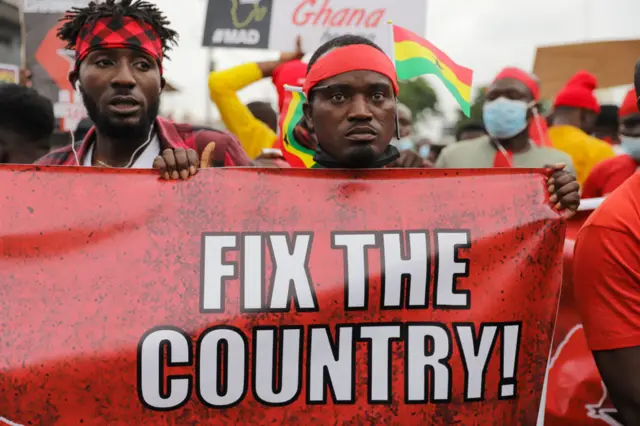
x=118, y=33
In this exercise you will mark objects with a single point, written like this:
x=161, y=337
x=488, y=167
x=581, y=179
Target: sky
x=482, y=35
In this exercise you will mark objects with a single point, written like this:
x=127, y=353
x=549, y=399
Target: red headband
x=118, y=33
x=359, y=57
x=521, y=76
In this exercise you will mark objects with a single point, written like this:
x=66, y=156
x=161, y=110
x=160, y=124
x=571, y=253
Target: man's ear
x=163, y=83
x=306, y=109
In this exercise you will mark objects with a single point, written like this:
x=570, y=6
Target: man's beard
x=119, y=131
x=361, y=157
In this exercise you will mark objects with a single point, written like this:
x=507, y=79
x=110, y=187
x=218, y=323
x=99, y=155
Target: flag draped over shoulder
x=416, y=56
x=295, y=153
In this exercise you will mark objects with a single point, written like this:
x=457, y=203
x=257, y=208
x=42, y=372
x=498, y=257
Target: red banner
x=285, y=296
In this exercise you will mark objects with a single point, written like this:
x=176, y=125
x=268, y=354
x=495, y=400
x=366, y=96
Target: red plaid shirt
x=228, y=151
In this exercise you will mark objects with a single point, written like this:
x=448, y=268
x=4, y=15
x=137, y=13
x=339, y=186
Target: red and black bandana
x=118, y=33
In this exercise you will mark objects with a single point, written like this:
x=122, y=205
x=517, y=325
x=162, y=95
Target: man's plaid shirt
x=228, y=151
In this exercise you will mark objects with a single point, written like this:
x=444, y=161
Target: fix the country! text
x=279, y=365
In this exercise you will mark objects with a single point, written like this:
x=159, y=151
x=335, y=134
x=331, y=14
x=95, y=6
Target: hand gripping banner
x=289, y=296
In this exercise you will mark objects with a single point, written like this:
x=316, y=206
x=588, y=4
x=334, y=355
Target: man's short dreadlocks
x=76, y=18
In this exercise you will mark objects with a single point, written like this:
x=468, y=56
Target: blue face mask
x=504, y=118
x=631, y=146
x=423, y=151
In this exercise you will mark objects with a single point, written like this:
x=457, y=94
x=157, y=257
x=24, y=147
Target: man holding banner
x=119, y=50
x=352, y=107
x=271, y=310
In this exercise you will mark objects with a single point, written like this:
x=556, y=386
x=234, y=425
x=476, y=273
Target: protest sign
x=52, y=6
x=281, y=296
x=49, y=61
x=274, y=24
x=9, y=74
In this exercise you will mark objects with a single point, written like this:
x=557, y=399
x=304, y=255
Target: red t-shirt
x=608, y=175
x=606, y=271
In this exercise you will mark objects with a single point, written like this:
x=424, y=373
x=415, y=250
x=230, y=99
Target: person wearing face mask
x=509, y=110
x=423, y=148
x=471, y=130
x=611, y=173
x=409, y=157
x=405, y=129
x=608, y=125
x=575, y=113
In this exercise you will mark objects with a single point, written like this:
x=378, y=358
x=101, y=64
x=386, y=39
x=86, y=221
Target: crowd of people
x=352, y=119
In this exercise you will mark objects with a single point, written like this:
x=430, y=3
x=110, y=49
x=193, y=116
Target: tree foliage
x=419, y=96
x=476, y=109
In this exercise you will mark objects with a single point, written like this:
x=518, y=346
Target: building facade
x=10, y=32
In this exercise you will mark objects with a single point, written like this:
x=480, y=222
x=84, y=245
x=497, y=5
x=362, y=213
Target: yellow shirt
x=253, y=134
x=585, y=151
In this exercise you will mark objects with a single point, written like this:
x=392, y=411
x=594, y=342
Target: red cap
x=291, y=73
x=523, y=77
x=629, y=105
x=578, y=93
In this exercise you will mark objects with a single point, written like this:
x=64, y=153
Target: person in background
x=423, y=148
x=264, y=112
x=409, y=156
x=611, y=173
x=607, y=125
x=405, y=126
x=508, y=109
x=352, y=91
x=26, y=124
x=256, y=128
x=575, y=113
x=119, y=51
x=607, y=265
x=26, y=78
x=537, y=124
x=470, y=130
x=435, y=149
x=405, y=121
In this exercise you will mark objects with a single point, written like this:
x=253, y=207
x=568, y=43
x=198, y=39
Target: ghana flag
x=415, y=56
x=296, y=154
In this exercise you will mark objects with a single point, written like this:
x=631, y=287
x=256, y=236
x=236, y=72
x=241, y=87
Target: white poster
x=52, y=6
x=318, y=21
x=274, y=24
